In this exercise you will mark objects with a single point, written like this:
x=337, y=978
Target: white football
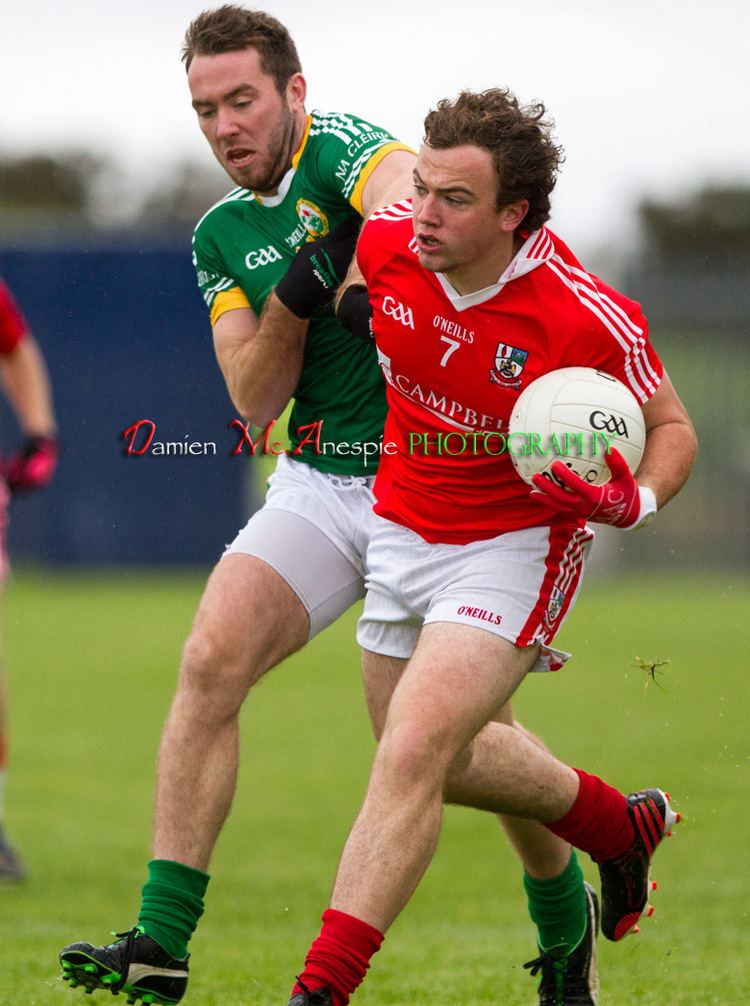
x=574, y=415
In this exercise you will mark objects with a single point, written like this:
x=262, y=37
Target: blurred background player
x=26, y=386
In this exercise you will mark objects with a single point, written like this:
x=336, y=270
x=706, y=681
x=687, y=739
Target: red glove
x=33, y=465
x=620, y=502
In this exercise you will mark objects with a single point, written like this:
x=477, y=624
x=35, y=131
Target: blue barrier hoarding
x=126, y=337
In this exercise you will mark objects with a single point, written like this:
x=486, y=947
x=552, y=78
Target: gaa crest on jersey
x=509, y=362
x=314, y=220
x=554, y=607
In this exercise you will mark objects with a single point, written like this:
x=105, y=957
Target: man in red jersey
x=24, y=381
x=471, y=573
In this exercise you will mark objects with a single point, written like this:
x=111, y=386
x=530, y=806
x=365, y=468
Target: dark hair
x=231, y=28
x=519, y=138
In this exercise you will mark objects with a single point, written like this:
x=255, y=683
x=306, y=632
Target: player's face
x=253, y=130
x=458, y=228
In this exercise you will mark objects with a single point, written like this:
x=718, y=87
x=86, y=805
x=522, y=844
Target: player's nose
x=226, y=124
x=427, y=211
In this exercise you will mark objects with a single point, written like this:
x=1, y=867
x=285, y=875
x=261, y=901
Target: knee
x=411, y=756
x=215, y=673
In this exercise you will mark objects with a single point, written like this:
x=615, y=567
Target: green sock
x=558, y=909
x=171, y=904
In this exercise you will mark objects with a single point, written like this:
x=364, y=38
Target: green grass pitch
x=92, y=661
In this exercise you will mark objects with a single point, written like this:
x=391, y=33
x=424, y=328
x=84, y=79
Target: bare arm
x=261, y=359
x=671, y=444
x=390, y=181
x=25, y=381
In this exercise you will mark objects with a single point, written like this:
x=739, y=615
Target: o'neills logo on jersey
x=509, y=362
x=453, y=328
x=313, y=219
x=262, y=256
x=481, y=614
x=395, y=309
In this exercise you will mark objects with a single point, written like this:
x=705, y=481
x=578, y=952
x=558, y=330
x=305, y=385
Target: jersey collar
x=286, y=181
x=535, y=251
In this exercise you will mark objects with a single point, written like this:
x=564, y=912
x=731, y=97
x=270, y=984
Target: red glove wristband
x=620, y=502
x=33, y=465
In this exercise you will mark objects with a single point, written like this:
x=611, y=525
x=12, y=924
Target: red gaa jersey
x=454, y=366
x=12, y=325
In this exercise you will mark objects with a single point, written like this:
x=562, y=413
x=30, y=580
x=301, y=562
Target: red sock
x=340, y=956
x=598, y=821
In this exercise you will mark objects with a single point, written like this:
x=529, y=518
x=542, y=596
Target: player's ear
x=512, y=215
x=296, y=92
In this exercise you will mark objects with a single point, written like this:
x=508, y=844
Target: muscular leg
x=504, y=769
x=249, y=620
x=455, y=682
x=543, y=854
x=554, y=884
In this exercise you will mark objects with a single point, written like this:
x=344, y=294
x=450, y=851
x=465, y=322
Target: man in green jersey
x=302, y=180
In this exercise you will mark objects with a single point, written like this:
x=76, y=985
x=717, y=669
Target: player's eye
x=452, y=201
x=245, y=103
x=205, y=113
x=420, y=189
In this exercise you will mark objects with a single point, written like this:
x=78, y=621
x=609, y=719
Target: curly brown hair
x=518, y=138
x=231, y=28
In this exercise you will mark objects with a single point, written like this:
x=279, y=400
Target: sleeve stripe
x=615, y=307
x=633, y=346
x=228, y=300
x=221, y=284
x=367, y=155
x=357, y=166
x=396, y=211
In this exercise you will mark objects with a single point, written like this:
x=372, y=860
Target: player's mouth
x=240, y=157
x=426, y=243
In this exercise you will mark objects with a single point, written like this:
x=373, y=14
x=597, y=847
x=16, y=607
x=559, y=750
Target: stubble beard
x=265, y=176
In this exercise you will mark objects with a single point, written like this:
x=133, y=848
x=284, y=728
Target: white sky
x=649, y=96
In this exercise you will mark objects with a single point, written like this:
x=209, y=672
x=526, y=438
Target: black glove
x=355, y=312
x=318, y=269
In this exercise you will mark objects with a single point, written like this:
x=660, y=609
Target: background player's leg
x=11, y=865
x=249, y=620
x=564, y=912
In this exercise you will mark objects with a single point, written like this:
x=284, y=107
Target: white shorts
x=313, y=529
x=520, y=585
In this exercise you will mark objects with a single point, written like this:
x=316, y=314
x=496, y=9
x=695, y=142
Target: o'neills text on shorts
x=480, y=613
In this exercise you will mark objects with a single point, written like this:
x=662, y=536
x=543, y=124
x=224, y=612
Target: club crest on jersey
x=509, y=362
x=554, y=606
x=313, y=219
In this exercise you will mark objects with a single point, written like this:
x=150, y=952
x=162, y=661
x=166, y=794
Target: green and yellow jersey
x=243, y=246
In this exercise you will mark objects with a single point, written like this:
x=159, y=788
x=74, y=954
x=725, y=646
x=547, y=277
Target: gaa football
x=575, y=415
